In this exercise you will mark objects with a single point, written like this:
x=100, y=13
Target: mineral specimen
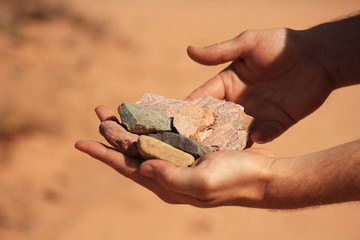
x=140, y=119
x=152, y=148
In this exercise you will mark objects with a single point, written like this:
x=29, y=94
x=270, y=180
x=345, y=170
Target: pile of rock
x=177, y=131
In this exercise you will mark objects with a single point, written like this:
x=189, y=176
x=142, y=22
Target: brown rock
x=119, y=138
x=152, y=148
x=231, y=128
x=194, y=121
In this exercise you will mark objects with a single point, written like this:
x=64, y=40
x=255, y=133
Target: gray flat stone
x=188, y=145
x=140, y=119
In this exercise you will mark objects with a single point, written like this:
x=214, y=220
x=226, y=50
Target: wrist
x=336, y=44
x=325, y=177
x=279, y=173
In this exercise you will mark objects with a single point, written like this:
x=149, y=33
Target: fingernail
x=146, y=170
x=259, y=138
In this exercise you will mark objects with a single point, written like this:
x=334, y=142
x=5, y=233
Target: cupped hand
x=216, y=179
x=278, y=75
x=224, y=178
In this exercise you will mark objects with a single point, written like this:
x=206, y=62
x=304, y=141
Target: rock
x=188, y=145
x=141, y=119
x=231, y=128
x=152, y=148
x=169, y=106
x=194, y=121
x=119, y=138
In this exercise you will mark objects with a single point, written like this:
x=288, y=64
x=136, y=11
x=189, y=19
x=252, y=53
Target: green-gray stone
x=140, y=119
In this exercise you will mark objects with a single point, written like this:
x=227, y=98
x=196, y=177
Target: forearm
x=337, y=45
x=326, y=177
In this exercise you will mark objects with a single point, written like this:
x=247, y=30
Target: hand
x=224, y=178
x=249, y=178
x=219, y=178
x=277, y=75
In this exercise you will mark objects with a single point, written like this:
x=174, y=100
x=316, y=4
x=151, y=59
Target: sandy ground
x=54, y=72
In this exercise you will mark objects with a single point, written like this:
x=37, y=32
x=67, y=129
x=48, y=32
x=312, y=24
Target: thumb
x=169, y=176
x=238, y=47
x=267, y=131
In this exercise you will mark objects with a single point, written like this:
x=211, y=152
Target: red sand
x=60, y=70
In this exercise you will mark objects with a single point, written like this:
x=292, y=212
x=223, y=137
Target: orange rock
x=194, y=121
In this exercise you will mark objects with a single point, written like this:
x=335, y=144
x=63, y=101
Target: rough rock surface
x=119, y=138
x=140, y=119
x=188, y=145
x=232, y=126
x=167, y=105
x=194, y=121
x=150, y=148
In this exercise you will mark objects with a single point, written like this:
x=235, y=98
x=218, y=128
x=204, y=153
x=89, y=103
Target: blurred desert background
x=60, y=59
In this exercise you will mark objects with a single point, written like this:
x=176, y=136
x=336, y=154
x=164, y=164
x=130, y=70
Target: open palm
x=275, y=74
x=214, y=179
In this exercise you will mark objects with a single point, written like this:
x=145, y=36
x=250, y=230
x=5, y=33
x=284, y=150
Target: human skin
x=251, y=178
x=279, y=76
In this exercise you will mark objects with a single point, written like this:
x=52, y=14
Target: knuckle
x=205, y=187
x=244, y=34
x=167, y=181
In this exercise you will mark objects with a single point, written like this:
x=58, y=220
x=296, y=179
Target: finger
x=170, y=177
x=238, y=47
x=213, y=87
x=267, y=131
x=129, y=167
x=104, y=113
x=182, y=182
x=174, y=182
x=225, y=85
x=261, y=151
x=120, y=162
